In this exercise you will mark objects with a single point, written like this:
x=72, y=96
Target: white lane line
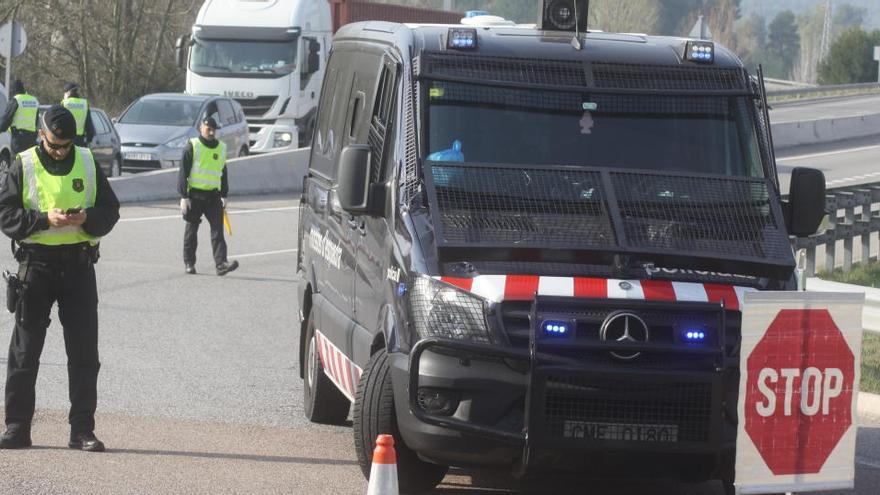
x=865, y=462
x=264, y=253
x=827, y=153
x=241, y=212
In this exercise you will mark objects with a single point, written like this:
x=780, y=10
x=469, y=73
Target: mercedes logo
x=623, y=326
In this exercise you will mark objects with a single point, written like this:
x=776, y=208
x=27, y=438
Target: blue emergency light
x=555, y=328
x=702, y=52
x=462, y=39
x=695, y=336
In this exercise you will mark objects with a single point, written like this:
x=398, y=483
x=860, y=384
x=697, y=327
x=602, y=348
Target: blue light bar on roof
x=701, y=52
x=462, y=39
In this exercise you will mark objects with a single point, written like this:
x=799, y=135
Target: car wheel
x=115, y=167
x=244, y=151
x=374, y=414
x=322, y=401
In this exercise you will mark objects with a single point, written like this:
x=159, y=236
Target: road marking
x=828, y=153
x=865, y=462
x=241, y=212
x=264, y=253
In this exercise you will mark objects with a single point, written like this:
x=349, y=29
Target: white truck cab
x=269, y=55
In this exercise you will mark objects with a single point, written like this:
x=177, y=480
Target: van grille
x=668, y=78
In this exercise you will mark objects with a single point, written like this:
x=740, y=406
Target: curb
x=869, y=404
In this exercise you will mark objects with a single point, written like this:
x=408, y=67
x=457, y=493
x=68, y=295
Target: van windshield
x=154, y=111
x=691, y=134
x=243, y=58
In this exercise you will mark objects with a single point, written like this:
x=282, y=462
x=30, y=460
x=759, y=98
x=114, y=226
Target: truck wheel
x=374, y=415
x=322, y=401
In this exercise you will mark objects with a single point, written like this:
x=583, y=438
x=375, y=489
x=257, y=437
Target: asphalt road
x=825, y=108
x=199, y=393
x=844, y=163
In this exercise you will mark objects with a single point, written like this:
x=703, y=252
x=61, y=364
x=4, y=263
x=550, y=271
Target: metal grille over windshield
x=591, y=209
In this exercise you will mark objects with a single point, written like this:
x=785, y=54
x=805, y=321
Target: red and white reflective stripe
x=499, y=288
x=341, y=370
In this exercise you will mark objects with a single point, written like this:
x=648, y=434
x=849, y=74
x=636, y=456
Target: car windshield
x=156, y=111
x=691, y=134
x=249, y=58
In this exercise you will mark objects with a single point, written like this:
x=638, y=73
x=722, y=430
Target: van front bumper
x=529, y=411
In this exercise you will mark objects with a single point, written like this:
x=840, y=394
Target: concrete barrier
x=258, y=174
x=788, y=134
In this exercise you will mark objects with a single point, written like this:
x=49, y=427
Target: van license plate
x=621, y=432
x=145, y=157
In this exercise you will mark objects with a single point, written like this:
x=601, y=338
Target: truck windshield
x=154, y=111
x=699, y=134
x=243, y=58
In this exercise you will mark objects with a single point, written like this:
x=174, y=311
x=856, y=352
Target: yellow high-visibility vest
x=25, y=118
x=207, y=166
x=42, y=191
x=79, y=107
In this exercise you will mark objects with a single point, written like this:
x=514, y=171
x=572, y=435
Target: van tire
x=374, y=414
x=322, y=401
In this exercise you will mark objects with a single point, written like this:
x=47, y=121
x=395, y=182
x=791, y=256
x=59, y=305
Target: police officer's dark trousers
x=66, y=276
x=205, y=203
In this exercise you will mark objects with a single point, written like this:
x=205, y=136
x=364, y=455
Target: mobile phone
x=73, y=211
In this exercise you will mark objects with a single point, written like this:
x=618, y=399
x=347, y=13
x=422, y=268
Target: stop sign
x=799, y=390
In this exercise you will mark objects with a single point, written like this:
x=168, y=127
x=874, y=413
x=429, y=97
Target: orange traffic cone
x=383, y=473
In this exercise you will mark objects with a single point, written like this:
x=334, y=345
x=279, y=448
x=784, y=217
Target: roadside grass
x=868, y=276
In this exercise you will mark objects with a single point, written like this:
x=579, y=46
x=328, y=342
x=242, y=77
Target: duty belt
x=74, y=253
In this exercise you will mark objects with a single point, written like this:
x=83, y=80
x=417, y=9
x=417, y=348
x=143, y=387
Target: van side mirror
x=180, y=49
x=313, y=62
x=806, y=202
x=354, y=178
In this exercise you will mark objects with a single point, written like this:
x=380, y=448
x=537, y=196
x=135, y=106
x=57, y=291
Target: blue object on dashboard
x=453, y=154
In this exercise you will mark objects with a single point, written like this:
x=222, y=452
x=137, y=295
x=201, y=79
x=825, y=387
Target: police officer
x=57, y=204
x=79, y=107
x=21, y=117
x=203, y=186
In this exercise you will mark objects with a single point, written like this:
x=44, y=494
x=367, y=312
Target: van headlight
x=442, y=310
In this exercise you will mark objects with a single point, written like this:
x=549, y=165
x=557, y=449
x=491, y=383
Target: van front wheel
x=374, y=414
x=322, y=401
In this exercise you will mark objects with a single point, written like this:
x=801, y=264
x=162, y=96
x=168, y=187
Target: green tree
x=851, y=58
x=847, y=16
x=784, y=42
x=751, y=36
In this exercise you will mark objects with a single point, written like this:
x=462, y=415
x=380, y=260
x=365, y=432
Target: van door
x=373, y=252
x=327, y=229
x=226, y=132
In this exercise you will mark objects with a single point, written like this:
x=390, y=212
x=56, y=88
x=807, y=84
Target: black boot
x=16, y=437
x=226, y=267
x=86, y=441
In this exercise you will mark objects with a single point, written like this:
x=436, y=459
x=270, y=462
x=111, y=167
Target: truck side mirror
x=806, y=202
x=354, y=179
x=180, y=48
x=313, y=63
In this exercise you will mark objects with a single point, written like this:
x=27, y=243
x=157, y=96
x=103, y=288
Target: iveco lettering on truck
x=528, y=246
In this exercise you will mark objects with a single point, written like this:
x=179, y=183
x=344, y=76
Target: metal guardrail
x=871, y=310
x=820, y=90
x=850, y=216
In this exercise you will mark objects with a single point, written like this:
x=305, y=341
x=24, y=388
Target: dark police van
x=527, y=247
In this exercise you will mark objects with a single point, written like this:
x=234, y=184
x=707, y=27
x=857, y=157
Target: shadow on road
x=240, y=457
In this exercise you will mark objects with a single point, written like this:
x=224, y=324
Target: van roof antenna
x=576, y=41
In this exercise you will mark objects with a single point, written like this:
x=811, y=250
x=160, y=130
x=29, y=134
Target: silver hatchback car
x=155, y=128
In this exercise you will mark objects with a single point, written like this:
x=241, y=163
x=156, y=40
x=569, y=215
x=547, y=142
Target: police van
x=527, y=247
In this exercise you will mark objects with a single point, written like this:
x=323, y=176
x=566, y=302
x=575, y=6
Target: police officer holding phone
x=57, y=204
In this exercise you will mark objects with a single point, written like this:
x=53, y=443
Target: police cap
x=71, y=86
x=210, y=122
x=60, y=122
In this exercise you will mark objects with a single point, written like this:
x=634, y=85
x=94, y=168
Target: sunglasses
x=54, y=146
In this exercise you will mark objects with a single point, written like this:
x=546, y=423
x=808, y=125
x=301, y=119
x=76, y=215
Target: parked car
x=106, y=145
x=155, y=128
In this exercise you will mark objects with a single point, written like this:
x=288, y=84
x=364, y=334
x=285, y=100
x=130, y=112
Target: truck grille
x=257, y=107
x=608, y=401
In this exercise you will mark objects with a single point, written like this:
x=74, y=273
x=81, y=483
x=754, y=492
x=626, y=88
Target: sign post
x=877, y=58
x=799, y=366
